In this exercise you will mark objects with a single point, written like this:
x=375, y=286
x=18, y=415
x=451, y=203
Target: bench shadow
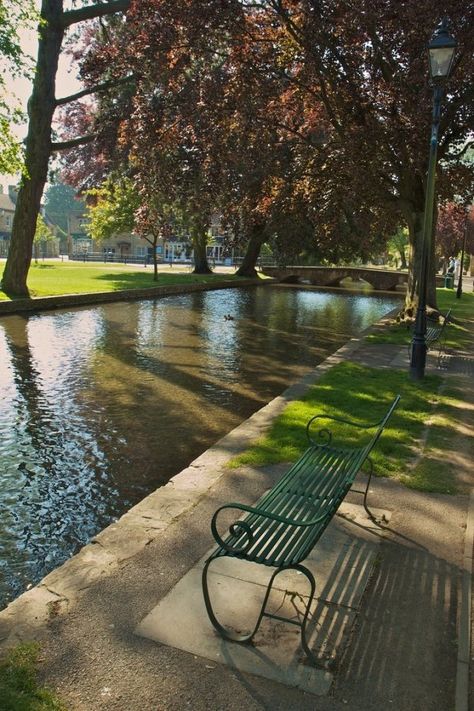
x=404, y=641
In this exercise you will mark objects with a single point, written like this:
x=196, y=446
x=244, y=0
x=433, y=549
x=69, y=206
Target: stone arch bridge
x=379, y=279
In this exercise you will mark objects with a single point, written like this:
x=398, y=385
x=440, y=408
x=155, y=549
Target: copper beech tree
x=455, y=223
x=336, y=94
x=215, y=127
x=278, y=110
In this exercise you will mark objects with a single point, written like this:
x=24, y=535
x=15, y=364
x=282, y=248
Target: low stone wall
x=46, y=303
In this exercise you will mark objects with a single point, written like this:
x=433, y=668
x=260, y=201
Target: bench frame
x=245, y=533
x=434, y=334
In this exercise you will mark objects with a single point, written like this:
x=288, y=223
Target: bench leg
x=366, y=492
x=233, y=636
x=224, y=631
x=441, y=350
x=310, y=577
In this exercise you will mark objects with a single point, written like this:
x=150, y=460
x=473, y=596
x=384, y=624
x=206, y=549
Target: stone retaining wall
x=46, y=303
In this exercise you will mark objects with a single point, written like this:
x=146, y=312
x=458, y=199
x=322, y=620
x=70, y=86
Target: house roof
x=6, y=203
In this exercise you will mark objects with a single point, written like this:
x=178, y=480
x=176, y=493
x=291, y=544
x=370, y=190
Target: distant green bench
x=434, y=333
x=286, y=523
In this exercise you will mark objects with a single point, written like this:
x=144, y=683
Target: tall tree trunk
x=415, y=240
x=41, y=108
x=38, y=148
x=403, y=259
x=431, y=299
x=155, y=258
x=199, y=240
x=415, y=233
x=249, y=262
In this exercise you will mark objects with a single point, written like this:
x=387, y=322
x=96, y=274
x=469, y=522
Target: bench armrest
x=447, y=317
x=325, y=436
x=241, y=527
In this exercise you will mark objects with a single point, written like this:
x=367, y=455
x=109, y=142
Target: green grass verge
x=355, y=392
x=456, y=336
x=56, y=278
x=447, y=440
x=19, y=688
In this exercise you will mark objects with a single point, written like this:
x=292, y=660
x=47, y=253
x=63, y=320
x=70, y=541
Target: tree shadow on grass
x=131, y=280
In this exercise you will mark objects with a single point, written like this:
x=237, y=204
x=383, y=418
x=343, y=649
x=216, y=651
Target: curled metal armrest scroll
x=242, y=527
x=237, y=530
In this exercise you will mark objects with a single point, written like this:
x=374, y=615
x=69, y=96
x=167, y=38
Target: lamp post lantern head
x=441, y=50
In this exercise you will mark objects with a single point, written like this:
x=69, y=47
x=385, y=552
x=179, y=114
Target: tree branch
x=459, y=154
x=73, y=143
x=93, y=89
x=70, y=17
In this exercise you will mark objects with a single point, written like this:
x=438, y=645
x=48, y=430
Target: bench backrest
x=359, y=454
x=381, y=425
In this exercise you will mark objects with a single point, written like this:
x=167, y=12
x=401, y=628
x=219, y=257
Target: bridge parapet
x=379, y=279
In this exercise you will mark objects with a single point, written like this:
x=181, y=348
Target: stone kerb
x=46, y=303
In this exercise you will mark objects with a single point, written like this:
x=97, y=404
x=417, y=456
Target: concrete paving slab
x=341, y=562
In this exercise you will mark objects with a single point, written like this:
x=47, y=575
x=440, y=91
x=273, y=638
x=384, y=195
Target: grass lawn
x=355, y=392
x=19, y=688
x=457, y=335
x=54, y=278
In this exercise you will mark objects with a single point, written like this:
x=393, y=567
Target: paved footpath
x=408, y=646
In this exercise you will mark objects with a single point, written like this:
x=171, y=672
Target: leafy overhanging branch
x=73, y=143
x=104, y=86
x=90, y=12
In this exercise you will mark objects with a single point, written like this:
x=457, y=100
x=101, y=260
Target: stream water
x=101, y=405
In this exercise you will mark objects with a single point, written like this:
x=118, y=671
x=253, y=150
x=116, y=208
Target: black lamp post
x=441, y=54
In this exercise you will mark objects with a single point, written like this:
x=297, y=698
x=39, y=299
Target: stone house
x=46, y=249
x=175, y=247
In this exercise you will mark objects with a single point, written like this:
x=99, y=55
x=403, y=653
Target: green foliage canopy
x=114, y=208
x=18, y=14
x=43, y=232
x=60, y=201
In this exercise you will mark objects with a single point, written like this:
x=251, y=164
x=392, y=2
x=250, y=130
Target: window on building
x=8, y=220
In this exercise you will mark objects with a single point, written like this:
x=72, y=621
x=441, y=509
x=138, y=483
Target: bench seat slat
x=312, y=486
x=273, y=531
x=287, y=542
x=304, y=506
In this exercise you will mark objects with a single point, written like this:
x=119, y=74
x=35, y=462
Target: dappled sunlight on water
x=99, y=406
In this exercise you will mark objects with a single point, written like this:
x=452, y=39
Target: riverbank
x=66, y=287
x=86, y=612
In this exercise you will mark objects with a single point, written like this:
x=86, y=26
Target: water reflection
x=101, y=405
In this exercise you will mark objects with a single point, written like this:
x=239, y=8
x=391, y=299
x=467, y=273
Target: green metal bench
x=283, y=527
x=434, y=334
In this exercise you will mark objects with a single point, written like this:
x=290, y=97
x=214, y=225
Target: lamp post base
x=418, y=359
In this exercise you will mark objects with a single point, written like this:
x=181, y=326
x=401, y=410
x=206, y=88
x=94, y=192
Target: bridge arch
x=379, y=279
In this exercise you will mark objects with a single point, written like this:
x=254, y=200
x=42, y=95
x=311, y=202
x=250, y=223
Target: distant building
x=7, y=210
x=45, y=249
x=174, y=247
